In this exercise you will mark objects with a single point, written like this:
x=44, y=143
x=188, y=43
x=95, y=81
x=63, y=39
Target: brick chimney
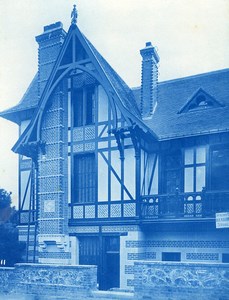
x=50, y=42
x=149, y=84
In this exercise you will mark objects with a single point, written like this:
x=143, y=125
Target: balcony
x=184, y=205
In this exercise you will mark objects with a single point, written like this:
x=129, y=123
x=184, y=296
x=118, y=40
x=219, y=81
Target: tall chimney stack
x=149, y=83
x=50, y=42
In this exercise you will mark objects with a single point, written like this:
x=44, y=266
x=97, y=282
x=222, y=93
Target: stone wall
x=51, y=280
x=181, y=281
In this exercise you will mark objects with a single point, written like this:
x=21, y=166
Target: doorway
x=103, y=251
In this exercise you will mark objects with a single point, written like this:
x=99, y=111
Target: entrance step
x=116, y=295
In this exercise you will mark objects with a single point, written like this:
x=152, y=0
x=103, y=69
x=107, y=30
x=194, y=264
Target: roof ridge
x=186, y=77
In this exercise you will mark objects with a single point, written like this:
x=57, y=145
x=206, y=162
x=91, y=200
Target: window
x=225, y=257
x=220, y=168
x=171, y=256
x=172, y=166
x=194, y=169
x=83, y=106
x=84, y=186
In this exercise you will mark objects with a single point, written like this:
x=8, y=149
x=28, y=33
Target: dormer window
x=200, y=100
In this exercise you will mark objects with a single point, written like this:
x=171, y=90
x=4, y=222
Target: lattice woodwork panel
x=129, y=209
x=115, y=210
x=89, y=146
x=89, y=211
x=78, y=134
x=78, y=148
x=198, y=208
x=103, y=211
x=77, y=212
x=89, y=133
x=80, y=80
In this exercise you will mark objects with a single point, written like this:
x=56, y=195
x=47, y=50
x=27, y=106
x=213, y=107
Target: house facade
x=109, y=175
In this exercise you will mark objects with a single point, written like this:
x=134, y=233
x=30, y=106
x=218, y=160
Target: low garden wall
x=53, y=280
x=181, y=281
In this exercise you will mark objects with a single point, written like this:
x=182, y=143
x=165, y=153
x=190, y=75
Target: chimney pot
x=150, y=60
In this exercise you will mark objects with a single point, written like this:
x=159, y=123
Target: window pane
x=200, y=155
x=84, y=178
x=188, y=180
x=189, y=156
x=200, y=178
x=90, y=106
x=78, y=107
x=220, y=169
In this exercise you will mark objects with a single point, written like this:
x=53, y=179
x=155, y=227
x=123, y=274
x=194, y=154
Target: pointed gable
x=78, y=55
x=200, y=100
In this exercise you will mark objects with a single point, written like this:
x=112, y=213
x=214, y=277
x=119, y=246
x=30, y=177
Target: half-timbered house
x=108, y=174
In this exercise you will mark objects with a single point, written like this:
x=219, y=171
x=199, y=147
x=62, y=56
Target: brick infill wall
x=181, y=281
x=53, y=280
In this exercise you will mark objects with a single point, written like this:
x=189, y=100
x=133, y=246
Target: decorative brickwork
x=123, y=228
x=84, y=229
x=141, y=256
x=202, y=256
x=129, y=269
x=130, y=282
x=178, y=244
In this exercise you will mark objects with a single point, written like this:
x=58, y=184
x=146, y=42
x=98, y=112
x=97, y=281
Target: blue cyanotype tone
x=133, y=181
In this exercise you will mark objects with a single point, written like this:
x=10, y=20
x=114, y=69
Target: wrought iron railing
x=184, y=205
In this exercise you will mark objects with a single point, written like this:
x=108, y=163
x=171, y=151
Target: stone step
x=116, y=295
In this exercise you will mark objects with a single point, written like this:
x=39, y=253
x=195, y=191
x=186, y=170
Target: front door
x=102, y=251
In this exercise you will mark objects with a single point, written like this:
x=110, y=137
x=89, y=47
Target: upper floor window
x=84, y=178
x=172, y=172
x=194, y=169
x=83, y=106
x=220, y=168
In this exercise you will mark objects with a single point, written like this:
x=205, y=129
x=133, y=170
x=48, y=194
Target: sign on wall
x=222, y=220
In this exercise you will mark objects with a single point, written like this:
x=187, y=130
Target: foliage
x=10, y=248
x=5, y=199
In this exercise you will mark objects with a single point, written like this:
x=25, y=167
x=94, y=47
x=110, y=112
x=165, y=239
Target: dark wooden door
x=111, y=263
x=104, y=252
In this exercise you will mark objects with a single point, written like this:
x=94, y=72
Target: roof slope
x=168, y=123
x=30, y=98
x=29, y=101
x=125, y=93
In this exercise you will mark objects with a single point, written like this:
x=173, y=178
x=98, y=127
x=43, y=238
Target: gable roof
x=167, y=123
x=200, y=100
x=122, y=93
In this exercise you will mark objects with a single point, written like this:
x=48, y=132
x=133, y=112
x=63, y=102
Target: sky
x=191, y=37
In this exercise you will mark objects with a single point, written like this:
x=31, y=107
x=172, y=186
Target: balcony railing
x=184, y=205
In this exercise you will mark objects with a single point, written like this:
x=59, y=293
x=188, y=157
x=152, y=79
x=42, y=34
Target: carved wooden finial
x=74, y=15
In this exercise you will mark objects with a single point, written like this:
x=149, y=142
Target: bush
x=11, y=249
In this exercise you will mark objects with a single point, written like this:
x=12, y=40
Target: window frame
x=224, y=146
x=74, y=193
x=193, y=166
x=84, y=113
